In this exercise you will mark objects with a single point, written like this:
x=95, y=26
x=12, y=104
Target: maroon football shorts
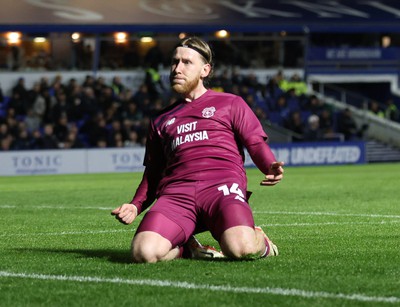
x=186, y=208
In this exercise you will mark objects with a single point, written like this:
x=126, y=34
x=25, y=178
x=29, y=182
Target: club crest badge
x=208, y=112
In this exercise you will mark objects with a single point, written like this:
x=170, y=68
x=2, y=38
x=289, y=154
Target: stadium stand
x=348, y=71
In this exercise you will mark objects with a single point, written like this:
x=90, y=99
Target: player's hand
x=126, y=213
x=274, y=175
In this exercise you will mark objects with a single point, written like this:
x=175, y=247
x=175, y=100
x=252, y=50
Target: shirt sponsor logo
x=187, y=133
x=208, y=112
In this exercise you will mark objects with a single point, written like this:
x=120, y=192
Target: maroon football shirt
x=199, y=140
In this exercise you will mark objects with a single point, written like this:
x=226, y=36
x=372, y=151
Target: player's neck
x=198, y=92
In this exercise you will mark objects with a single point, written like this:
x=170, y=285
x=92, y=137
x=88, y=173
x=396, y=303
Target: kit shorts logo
x=208, y=112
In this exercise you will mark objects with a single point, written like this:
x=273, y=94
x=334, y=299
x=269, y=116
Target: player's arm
x=265, y=160
x=248, y=128
x=144, y=197
x=147, y=189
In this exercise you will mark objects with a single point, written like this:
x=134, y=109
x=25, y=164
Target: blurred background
x=84, y=74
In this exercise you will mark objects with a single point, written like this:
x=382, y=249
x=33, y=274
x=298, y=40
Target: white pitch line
x=329, y=224
x=63, y=233
x=193, y=286
x=328, y=214
x=255, y=212
x=56, y=207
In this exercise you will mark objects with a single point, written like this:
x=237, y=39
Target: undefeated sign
x=321, y=153
x=329, y=153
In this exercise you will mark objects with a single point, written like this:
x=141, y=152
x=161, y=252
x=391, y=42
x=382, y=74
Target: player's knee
x=146, y=249
x=239, y=250
x=239, y=242
x=144, y=253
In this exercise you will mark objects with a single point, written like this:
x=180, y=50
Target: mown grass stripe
x=94, y=232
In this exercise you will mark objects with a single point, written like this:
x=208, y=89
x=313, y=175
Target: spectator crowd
x=54, y=114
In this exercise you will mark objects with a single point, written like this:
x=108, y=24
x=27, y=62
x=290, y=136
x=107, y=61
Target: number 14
x=234, y=189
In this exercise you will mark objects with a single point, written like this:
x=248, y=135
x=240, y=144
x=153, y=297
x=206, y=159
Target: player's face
x=187, y=70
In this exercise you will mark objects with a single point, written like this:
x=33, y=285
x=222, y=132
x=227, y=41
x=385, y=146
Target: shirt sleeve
x=245, y=123
x=252, y=135
x=154, y=162
x=261, y=155
x=146, y=191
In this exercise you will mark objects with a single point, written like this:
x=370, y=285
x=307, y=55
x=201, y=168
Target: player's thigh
x=158, y=231
x=228, y=207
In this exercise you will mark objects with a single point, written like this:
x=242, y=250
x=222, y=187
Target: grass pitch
x=337, y=229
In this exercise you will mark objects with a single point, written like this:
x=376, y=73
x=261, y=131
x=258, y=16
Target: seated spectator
x=50, y=102
x=312, y=132
x=292, y=100
x=12, y=123
x=89, y=102
x=106, y=98
x=33, y=93
x=117, y=141
x=61, y=106
x=22, y=141
x=36, y=139
x=20, y=89
x=348, y=126
x=18, y=104
x=39, y=107
x=61, y=129
x=295, y=123
x=282, y=107
x=5, y=143
x=4, y=132
x=314, y=105
x=132, y=140
x=116, y=134
x=73, y=141
x=117, y=86
x=98, y=134
x=132, y=115
x=326, y=121
x=299, y=86
x=392, y=111
x=273, y=89
x=376, y=109
x=48, y=139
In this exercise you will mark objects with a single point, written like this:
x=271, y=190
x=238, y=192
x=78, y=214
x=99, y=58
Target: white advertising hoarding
x=39, y=162
x=80, y=161
x=115, y=160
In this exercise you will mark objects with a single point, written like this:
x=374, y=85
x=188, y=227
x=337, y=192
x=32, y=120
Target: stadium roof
x=200, y=15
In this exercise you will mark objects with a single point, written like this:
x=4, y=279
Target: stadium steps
x=380, y=152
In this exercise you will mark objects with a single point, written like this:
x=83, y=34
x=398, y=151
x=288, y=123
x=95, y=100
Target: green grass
x=337, y=229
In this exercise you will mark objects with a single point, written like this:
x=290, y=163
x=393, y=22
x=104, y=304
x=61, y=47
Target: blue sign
x=329, y=153
x=353, y=54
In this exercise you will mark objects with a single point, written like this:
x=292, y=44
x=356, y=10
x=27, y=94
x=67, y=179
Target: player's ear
x=206, y=70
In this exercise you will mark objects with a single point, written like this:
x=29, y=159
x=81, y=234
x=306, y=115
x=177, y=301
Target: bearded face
x=186, y=71
x=185, y=85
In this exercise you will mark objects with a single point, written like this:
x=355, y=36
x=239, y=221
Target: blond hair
x=203, y=48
